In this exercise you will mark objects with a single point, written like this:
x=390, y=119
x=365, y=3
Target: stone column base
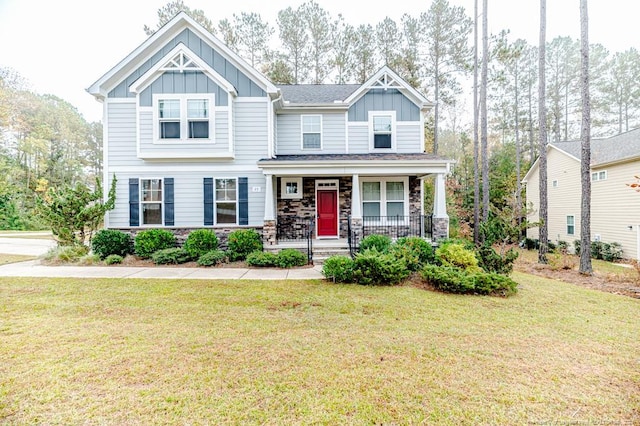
x=356, y=230
x=269, y=233
x=440, y=228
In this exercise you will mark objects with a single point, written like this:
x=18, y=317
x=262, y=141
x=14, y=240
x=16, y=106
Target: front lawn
x=13, y=258
x=285, y=352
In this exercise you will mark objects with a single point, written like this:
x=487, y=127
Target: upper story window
x=601, y=175
x=151, y=201
x=311, y=131
x=183, y=117
x=382, y=130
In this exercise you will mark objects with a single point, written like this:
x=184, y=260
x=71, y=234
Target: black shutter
x=168, y=202
x=134, y=202
x=208, y=201
x=243, y=201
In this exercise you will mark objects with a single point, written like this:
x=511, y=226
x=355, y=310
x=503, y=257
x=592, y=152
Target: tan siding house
x=615, y=207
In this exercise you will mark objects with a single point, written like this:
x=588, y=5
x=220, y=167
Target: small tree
x=73, y=212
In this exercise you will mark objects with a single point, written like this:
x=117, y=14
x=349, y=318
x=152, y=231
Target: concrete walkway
x=33, y=268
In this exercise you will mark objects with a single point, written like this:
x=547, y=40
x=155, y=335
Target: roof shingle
x=606, y=150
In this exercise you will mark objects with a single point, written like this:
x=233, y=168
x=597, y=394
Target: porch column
x=440, y=217
x=356, y=210
x=269, y=229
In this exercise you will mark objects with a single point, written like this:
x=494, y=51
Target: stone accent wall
x=440, y=228
x=182, y=233
x=269, y=233
x=414, y=196
x=346, y=185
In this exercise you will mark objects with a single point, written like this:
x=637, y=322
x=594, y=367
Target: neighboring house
x=615, y=207
x=198, y=138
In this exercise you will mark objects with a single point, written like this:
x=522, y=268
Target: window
x=381, y=130
x=291, y=188
x=384, y=197
x=571, y=225
x=226, y=201
x=311, y=132
x=596, y=176
x=151, y=201
x=183, y=117
x=555, y=183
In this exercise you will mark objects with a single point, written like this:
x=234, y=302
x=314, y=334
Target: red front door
x=327, y=213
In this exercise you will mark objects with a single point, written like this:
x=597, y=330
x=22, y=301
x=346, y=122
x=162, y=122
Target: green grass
x=285, y=352
x=13, y=258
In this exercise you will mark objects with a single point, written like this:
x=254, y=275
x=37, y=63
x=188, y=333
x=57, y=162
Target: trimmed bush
x=339, y=269
x=374, y=268
x=111, y=241
x=212, y=258
x=379, y=242
x=455, y=280
x=492, y=261
x=173, y=256
x=288, y=258
x=455, y=254
x=113, y=259
x=242, y=242
x=199, y=242
x=262, y=258
x=150, y=241
x=415, y=252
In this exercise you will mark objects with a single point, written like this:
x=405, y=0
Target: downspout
x=272, y=128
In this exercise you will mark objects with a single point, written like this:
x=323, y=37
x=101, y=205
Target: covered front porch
x=346, y=197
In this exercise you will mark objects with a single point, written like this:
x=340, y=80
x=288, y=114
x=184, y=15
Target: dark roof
x=356, y=157
x=317, y=93
x=606, y=150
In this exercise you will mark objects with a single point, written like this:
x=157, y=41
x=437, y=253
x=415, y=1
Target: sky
x=61, y=47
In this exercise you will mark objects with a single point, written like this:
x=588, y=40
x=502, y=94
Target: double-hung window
x=311, y=131
x=571, y=225
x=151, y=201
x=183, y=117
x=601, y=175
x=381, y=130
x=226, y=200
x=384, y=198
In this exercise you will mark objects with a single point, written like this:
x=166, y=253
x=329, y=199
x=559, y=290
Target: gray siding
x=289, y=134
x=381, y=100
x=250, y=131
x=121, y=130
x=358, y=139
x=188, y=196
x=243, y=84
x=184, y=82
x=221, y=129
x=409, y=138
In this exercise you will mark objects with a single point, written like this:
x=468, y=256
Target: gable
x=384, y=100
x=243, y=84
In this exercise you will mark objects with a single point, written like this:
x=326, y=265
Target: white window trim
x=393, y=130
x=215, y=202
x=302, y=132
x=283, y=185
x=383, y=193
x=140, y=203
x=184, y=128
x=567, y=224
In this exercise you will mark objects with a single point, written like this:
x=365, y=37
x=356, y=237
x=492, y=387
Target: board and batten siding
x=183, y=82
x=289, y=134
x=563, y=200
x=243, y=84
x=384, y=100
x=615, y=208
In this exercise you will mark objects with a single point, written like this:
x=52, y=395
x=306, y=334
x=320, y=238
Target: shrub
x=529, y=244
x=90, y=259
x=150, y=241
x=339, y=269
x=414, y=251
x=576, y=246
x=563, y=246
x=372, y=267
x=492, y=261
x=111, y=241
x=262, y=258
x=199, y=242
x=242, y=242
x=455, y=280
x=212, y=258
x=173, y=256
x=66, y=254
x=379, y=242
x=113, y=259
x=289, y=258
x=455, y=254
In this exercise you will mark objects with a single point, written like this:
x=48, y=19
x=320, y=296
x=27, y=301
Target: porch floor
x=317, y=243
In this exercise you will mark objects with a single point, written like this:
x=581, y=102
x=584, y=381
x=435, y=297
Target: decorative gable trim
x=386, y=79
x=180, y=59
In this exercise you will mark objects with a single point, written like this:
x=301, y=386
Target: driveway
x=25, y=246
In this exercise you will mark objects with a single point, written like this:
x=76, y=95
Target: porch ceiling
x=361, y=164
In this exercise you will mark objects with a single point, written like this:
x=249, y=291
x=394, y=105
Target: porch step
x=320, y=254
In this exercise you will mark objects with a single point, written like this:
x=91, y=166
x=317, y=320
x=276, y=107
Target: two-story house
x=198, y=138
